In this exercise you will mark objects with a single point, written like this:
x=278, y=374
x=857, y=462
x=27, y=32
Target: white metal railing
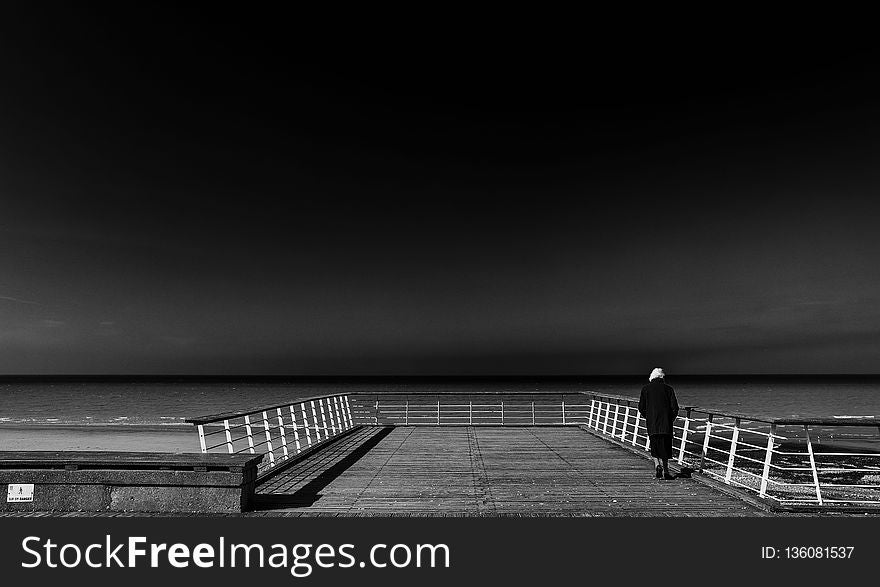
x=468, y=409
x=279, y=431
x=790, y=461
x=818, y=462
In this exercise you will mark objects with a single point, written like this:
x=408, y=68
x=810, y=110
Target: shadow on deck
x=472, y=471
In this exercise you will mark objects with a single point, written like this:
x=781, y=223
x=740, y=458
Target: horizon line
x=82, y=376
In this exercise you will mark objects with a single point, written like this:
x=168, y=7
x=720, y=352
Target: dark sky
x=219, y=195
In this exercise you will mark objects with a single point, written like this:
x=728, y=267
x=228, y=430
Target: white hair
x=657, y=374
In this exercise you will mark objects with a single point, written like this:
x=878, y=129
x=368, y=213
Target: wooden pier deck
x=472, y=471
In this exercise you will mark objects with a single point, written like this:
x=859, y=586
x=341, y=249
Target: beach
x=171, y=439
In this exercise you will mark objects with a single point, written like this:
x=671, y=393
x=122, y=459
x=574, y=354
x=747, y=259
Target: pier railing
x=804, y=462
x=502, y=408
x=278, y=431
x=791, y=461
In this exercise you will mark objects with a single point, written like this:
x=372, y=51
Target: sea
x=149, y=414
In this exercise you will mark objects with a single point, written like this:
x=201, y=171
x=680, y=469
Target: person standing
x=659, y=407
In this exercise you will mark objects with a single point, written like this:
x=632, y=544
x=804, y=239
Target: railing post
x=339, y=421
x=533, y=413
x=768, y=456
x=438, y=411
x=636, y=428
x=268, y=439
x=732, y=454
x=345, y=417
x=706, y=442
x=348, y=409
x=406, y=413
x=471, y=412
x=283, y=435
x=377, y=410
x=228, y=436
x=607, y=417
x=684, y=436
x=590, y=421
x=333, y=406
x=813, y=464
x=315, y=422
x=625, y=424
x=323, y=420
x=295, y=431
x=306, y=423
x=249, y=432
x=329, y=414
x=502, y=412
x=614, y=425
x=202, y=438
x=563, y=411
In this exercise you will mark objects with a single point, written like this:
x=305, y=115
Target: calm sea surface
x=34, y=403
x=148, y=416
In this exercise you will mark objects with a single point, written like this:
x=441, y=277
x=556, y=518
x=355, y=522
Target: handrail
x=635, y=400
x=226, y=415
x=861, y=421
x=786, y=420
x=280, y=431
x=781, y=460
x=206, y=419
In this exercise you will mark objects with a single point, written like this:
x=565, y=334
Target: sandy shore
x=122, y=438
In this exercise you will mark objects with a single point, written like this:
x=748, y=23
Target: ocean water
x=149, y=415
x=168, y=403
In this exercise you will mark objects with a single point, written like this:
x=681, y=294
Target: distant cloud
x=52, y=323
x=19, y=301
x=107, y=323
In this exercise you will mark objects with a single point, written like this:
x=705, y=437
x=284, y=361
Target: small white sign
x=18, y=492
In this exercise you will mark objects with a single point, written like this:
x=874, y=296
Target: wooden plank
x=486, y=471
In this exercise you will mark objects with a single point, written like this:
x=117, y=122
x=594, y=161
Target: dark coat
x=659, y=407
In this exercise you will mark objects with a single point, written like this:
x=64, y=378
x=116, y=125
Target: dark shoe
x=668, y=476
x=659, y=474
